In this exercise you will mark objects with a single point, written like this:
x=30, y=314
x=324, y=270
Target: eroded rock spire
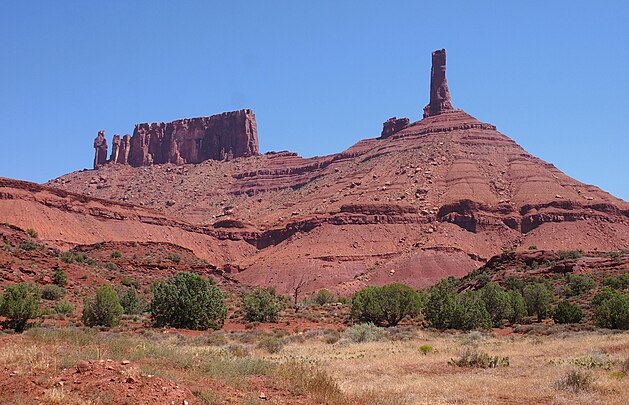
x=440, y=100
x=100, y=155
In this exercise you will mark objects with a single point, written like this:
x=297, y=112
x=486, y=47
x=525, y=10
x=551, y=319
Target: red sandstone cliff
x=191, y=140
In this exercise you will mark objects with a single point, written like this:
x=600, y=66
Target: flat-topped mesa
x=440, y=100
x=191, y=140
x=100, y=146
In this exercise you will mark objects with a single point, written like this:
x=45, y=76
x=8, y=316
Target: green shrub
x=515, y=283
x=567, y=313
x=128, y=282
x=441, y=304
x=570, y=254
x=470, y=312
x=53, y=292
x=131, y=303
x=103, y=309
x=496, y=302
x=365, y=332
x=116, y=254
x=32, y=233
x=83, y=258
x=579, y=284
x=517, y=306
x=63, y=307
x=261, y=305
x=575, y=381
x=425, y=349
x=390, y=303
x=188, y=300
x=59, y=277
x=28, y=245
x=19, y=303
x=111, y=266
x=619, y=283
x=612, y=312
x=476, y=359
x=324, y=296
x=538, y=298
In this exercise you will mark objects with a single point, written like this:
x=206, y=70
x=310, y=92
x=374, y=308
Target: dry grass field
x=311, y=367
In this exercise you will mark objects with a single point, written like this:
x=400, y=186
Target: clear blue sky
x=320, y=75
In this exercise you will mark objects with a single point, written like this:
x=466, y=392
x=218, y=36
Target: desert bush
x=365, y=332
x=63, y=307
x=272, y=344
x=570, y=254
x=390, y=303
x=131, y=302
x=188, y=300
x=18, y=304
x=474, y=358
x=470, y=312
x=82, y=258
x=425, y=349
x=567, y=313
x=579, y=284
x=53, y=292
x=331, y=336
x=441, y=303
x=28, y=245
x=575, y=381
x=619, y=283
x=261, y=305
x=31, y=232
x=611, y=310
x=515, y=283
x=538, y=298
x=517, y=305
x=59, y=277
x=497, y=303
x=174, y=257
x=111, y=266
x=324, y=296
x=103, y=309
x=116, y=254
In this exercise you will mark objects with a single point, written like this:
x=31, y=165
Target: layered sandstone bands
x=223, y=136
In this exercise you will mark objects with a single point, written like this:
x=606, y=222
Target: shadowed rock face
x=192, y=140
x=440, y=100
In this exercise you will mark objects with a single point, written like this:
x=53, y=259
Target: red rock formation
x=193, y=140
x=393, y=125
x=439, y=93
x=120, y=149
x=100, y=144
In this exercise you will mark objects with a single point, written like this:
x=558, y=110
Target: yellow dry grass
x=399, y=370
x=383, y=372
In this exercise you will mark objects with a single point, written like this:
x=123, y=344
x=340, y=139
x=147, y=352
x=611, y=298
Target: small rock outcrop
x=100, y=145
x=393, y=125
x=440, y=100
x=192, y=140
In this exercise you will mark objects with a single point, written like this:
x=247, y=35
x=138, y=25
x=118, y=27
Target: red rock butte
x=423, y=201
x=191, y=140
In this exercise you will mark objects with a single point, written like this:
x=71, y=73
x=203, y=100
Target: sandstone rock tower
x=440, y=100
x=100, y=155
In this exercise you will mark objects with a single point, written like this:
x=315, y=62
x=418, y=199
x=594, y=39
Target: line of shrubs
x=444, y=307
x=188, y=300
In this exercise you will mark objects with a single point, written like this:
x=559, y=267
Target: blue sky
x=553, y=75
